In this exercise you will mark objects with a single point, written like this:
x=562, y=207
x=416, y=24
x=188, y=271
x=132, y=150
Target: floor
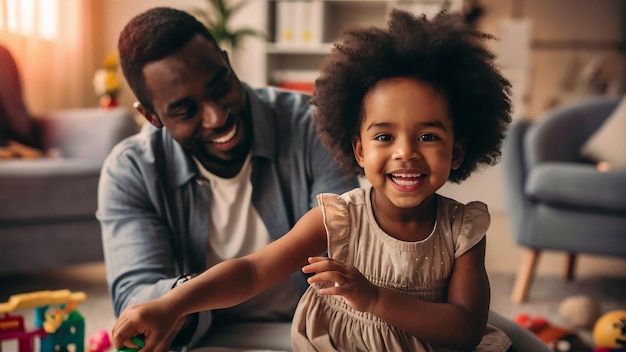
x=503, y=256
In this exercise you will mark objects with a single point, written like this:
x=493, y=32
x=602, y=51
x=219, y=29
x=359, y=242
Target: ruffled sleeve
x=337, y=223
x=470, y=226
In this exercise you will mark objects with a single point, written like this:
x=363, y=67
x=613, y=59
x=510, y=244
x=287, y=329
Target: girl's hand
x=152, y=321
x=346, y=281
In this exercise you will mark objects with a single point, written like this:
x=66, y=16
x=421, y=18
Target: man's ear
x=225, y=55
x=458, y=155
x=149, y=115
x=357, y=148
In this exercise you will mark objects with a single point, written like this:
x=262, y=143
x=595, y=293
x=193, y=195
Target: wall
x=568, y=37
x=115, y=14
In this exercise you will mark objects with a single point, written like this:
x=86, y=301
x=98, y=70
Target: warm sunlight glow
x=30, y=17
x=11, y=15
x=48, y=19
x=26, y=15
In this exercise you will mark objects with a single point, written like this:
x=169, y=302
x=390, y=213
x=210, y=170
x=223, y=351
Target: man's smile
x=227, y=137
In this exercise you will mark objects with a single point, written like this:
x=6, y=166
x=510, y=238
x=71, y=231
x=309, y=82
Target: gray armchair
x=558, y=200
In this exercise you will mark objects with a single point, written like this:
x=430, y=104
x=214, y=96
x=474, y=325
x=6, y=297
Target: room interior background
x=59, y=43
x=553, y=51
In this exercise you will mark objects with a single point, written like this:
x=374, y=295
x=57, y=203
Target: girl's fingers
x=320, y=264
x=328, y=276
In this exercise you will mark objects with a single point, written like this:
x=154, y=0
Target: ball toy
x=610, y=330
x=580, y=311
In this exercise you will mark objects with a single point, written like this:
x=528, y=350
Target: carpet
x=546, y=294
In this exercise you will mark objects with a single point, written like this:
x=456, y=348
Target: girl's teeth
x=405, y=179
x=226, y=137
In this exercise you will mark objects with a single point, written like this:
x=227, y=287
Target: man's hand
x=153, y=321
x=346, y=281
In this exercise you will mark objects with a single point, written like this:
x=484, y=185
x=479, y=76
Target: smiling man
x=219, y=171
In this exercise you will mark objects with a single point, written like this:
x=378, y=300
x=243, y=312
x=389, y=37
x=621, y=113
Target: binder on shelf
x=312, y=13
x=299, y=22
x=286, y=22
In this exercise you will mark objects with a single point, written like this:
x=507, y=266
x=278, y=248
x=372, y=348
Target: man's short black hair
x=151, y=36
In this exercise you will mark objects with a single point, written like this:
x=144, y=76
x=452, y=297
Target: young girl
x=413, y=106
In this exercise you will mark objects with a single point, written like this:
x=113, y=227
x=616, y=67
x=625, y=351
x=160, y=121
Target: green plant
x=216, y=18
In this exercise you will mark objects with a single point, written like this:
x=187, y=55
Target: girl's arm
x=226, y=284
x=458, y=324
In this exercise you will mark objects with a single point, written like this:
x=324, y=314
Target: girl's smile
x=406, y=144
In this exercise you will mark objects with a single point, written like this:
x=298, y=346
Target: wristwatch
x=183, y=278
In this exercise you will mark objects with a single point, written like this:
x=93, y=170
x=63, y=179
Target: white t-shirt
x=235, y=230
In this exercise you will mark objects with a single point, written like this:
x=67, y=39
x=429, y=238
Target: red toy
x=557, y=338
x=99, y=342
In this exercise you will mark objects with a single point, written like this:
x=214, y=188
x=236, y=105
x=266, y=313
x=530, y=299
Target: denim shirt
x=153, y=203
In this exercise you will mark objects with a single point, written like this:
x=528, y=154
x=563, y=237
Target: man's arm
x=139, y=256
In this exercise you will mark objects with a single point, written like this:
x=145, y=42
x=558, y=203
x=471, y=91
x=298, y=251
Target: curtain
x=52, y=42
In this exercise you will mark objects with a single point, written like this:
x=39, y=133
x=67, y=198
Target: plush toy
x=580, y=311
x=610, y=330
x=557, y=338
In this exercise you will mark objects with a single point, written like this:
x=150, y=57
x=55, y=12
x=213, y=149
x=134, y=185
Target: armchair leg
x=570, y=266
x=525, y=275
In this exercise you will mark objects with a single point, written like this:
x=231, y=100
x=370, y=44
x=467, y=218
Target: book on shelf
x=299, y=22
x=301, y=80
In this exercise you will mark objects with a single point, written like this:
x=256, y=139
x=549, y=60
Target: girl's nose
x=213, y=115
x=406, y=150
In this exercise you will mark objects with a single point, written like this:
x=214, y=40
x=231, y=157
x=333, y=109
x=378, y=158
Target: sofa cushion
x=34, y=190
x=608, y=143
x=577, y=185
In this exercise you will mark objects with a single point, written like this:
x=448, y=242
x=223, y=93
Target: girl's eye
x=383, y=137
x=427, y=137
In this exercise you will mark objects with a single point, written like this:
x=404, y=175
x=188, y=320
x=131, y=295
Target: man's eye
x=186, y=112
x=427, y=137
x=383, y=138
x=224, y=87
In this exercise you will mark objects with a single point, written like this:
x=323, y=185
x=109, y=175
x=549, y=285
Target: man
x=220, y=171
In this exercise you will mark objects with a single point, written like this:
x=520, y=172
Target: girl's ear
x=357, y=147
x=458, y=155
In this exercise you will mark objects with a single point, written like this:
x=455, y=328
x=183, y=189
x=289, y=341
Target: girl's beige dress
x=418, y=269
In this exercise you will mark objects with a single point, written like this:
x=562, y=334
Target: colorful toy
x=63, y=328
x=557, y=338
x=580, y=311
x=99, y=342
x=610, y=330
x=137, y=341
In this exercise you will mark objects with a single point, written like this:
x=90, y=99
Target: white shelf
x=317, y=49
x=324, y=21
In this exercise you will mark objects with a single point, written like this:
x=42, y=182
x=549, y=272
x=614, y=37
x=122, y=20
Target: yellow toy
x=610, y=330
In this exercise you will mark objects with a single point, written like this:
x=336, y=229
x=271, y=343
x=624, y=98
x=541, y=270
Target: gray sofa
x=47, y=206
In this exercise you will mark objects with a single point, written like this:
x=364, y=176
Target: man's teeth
x=227, y=137
x=406, y=179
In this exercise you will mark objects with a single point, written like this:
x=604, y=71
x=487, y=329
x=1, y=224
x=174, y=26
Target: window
x=37, y=18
